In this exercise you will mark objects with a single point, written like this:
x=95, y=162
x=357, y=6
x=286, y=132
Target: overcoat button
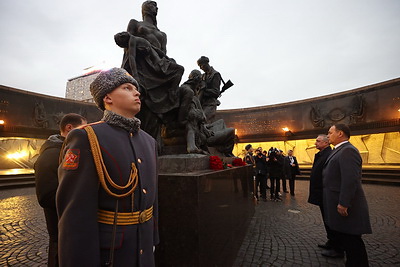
x=141, y=252
x=139, y=161
x=144, y=191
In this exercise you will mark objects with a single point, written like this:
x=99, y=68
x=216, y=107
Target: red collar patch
x=71, y=159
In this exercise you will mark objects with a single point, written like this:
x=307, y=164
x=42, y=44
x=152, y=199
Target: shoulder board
x=90, y=124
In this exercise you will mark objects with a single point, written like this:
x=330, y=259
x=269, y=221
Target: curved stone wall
x=369, y=109
x=372, y=112
x=27, y=114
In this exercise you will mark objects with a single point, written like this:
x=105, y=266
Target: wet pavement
x=287, y=233
x=281, y=233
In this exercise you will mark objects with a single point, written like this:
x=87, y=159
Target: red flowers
x=238, y=162
x=216, y=163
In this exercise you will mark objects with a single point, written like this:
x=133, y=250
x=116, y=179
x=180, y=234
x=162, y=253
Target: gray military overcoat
x=83, y=241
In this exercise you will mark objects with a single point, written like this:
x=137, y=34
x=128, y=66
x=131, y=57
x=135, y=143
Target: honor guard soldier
x=107, y=195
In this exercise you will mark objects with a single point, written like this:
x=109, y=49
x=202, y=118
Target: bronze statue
x=211, y=91
x=172, y=114
x=158, y=75
x=199, y=134
x=196, y=132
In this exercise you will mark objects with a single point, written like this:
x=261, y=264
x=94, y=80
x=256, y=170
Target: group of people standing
x=272, y=164
x=335, y=186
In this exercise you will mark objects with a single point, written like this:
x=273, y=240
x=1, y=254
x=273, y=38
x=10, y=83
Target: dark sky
x=273, y=51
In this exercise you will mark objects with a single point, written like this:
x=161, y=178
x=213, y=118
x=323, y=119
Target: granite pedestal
x=204, y=215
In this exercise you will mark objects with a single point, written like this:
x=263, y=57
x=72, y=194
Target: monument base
x=203, y=216
x=183, y=163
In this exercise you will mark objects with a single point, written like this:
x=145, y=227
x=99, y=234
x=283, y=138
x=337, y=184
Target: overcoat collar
x=131, y=125
x=334, y=151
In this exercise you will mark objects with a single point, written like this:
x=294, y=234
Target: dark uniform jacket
x=83, y=241
x=46, y=180
x=275, y=167
x=261, y=165
x=342, y=185
x=46, y=168
x=288, y=169
x=315, y=193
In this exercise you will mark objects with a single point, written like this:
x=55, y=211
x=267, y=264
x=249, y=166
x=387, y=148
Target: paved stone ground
x=281, y=233
x=287, y=233
x=23, y=234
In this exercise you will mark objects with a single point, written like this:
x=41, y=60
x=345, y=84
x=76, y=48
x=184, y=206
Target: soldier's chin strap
x=102, y=170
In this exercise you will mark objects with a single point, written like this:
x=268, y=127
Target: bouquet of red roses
x=238, y=162
x=216, y=163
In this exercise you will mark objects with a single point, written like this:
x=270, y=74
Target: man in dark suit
x=316, y=189
x=291, y=169
x=345, y=205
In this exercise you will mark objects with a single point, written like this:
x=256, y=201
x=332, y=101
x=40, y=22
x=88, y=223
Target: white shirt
x=338, y=145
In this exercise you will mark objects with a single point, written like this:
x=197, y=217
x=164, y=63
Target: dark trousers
x=292, y=180
x=284, y=185
x=330, y=233
x=353, y=245
x=251, y=183
x=261, y=182
x=52, y=228
x=275, y=186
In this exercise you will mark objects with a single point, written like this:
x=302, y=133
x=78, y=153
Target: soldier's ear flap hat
x=107, y=81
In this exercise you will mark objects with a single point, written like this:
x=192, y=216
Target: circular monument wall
x=372, y=112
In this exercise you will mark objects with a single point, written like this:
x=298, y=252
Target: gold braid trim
x=102, y=170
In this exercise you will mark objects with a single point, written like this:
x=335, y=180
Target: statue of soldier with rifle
x=210, y=92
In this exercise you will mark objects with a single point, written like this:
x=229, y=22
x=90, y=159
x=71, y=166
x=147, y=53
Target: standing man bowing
x=345, y=205
x=107, y=195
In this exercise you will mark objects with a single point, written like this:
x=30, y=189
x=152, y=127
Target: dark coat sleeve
x=286, y=167
x=46, y=177
x=316, y=188
x=297, y=165
x=77, y=204
x=350, y=171
x=156, y=237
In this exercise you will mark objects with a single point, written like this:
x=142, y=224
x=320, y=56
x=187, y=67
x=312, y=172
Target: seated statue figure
x=157, y=74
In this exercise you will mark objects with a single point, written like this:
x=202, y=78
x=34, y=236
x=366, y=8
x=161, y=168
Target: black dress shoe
x=325, y=246
x=332, y=254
